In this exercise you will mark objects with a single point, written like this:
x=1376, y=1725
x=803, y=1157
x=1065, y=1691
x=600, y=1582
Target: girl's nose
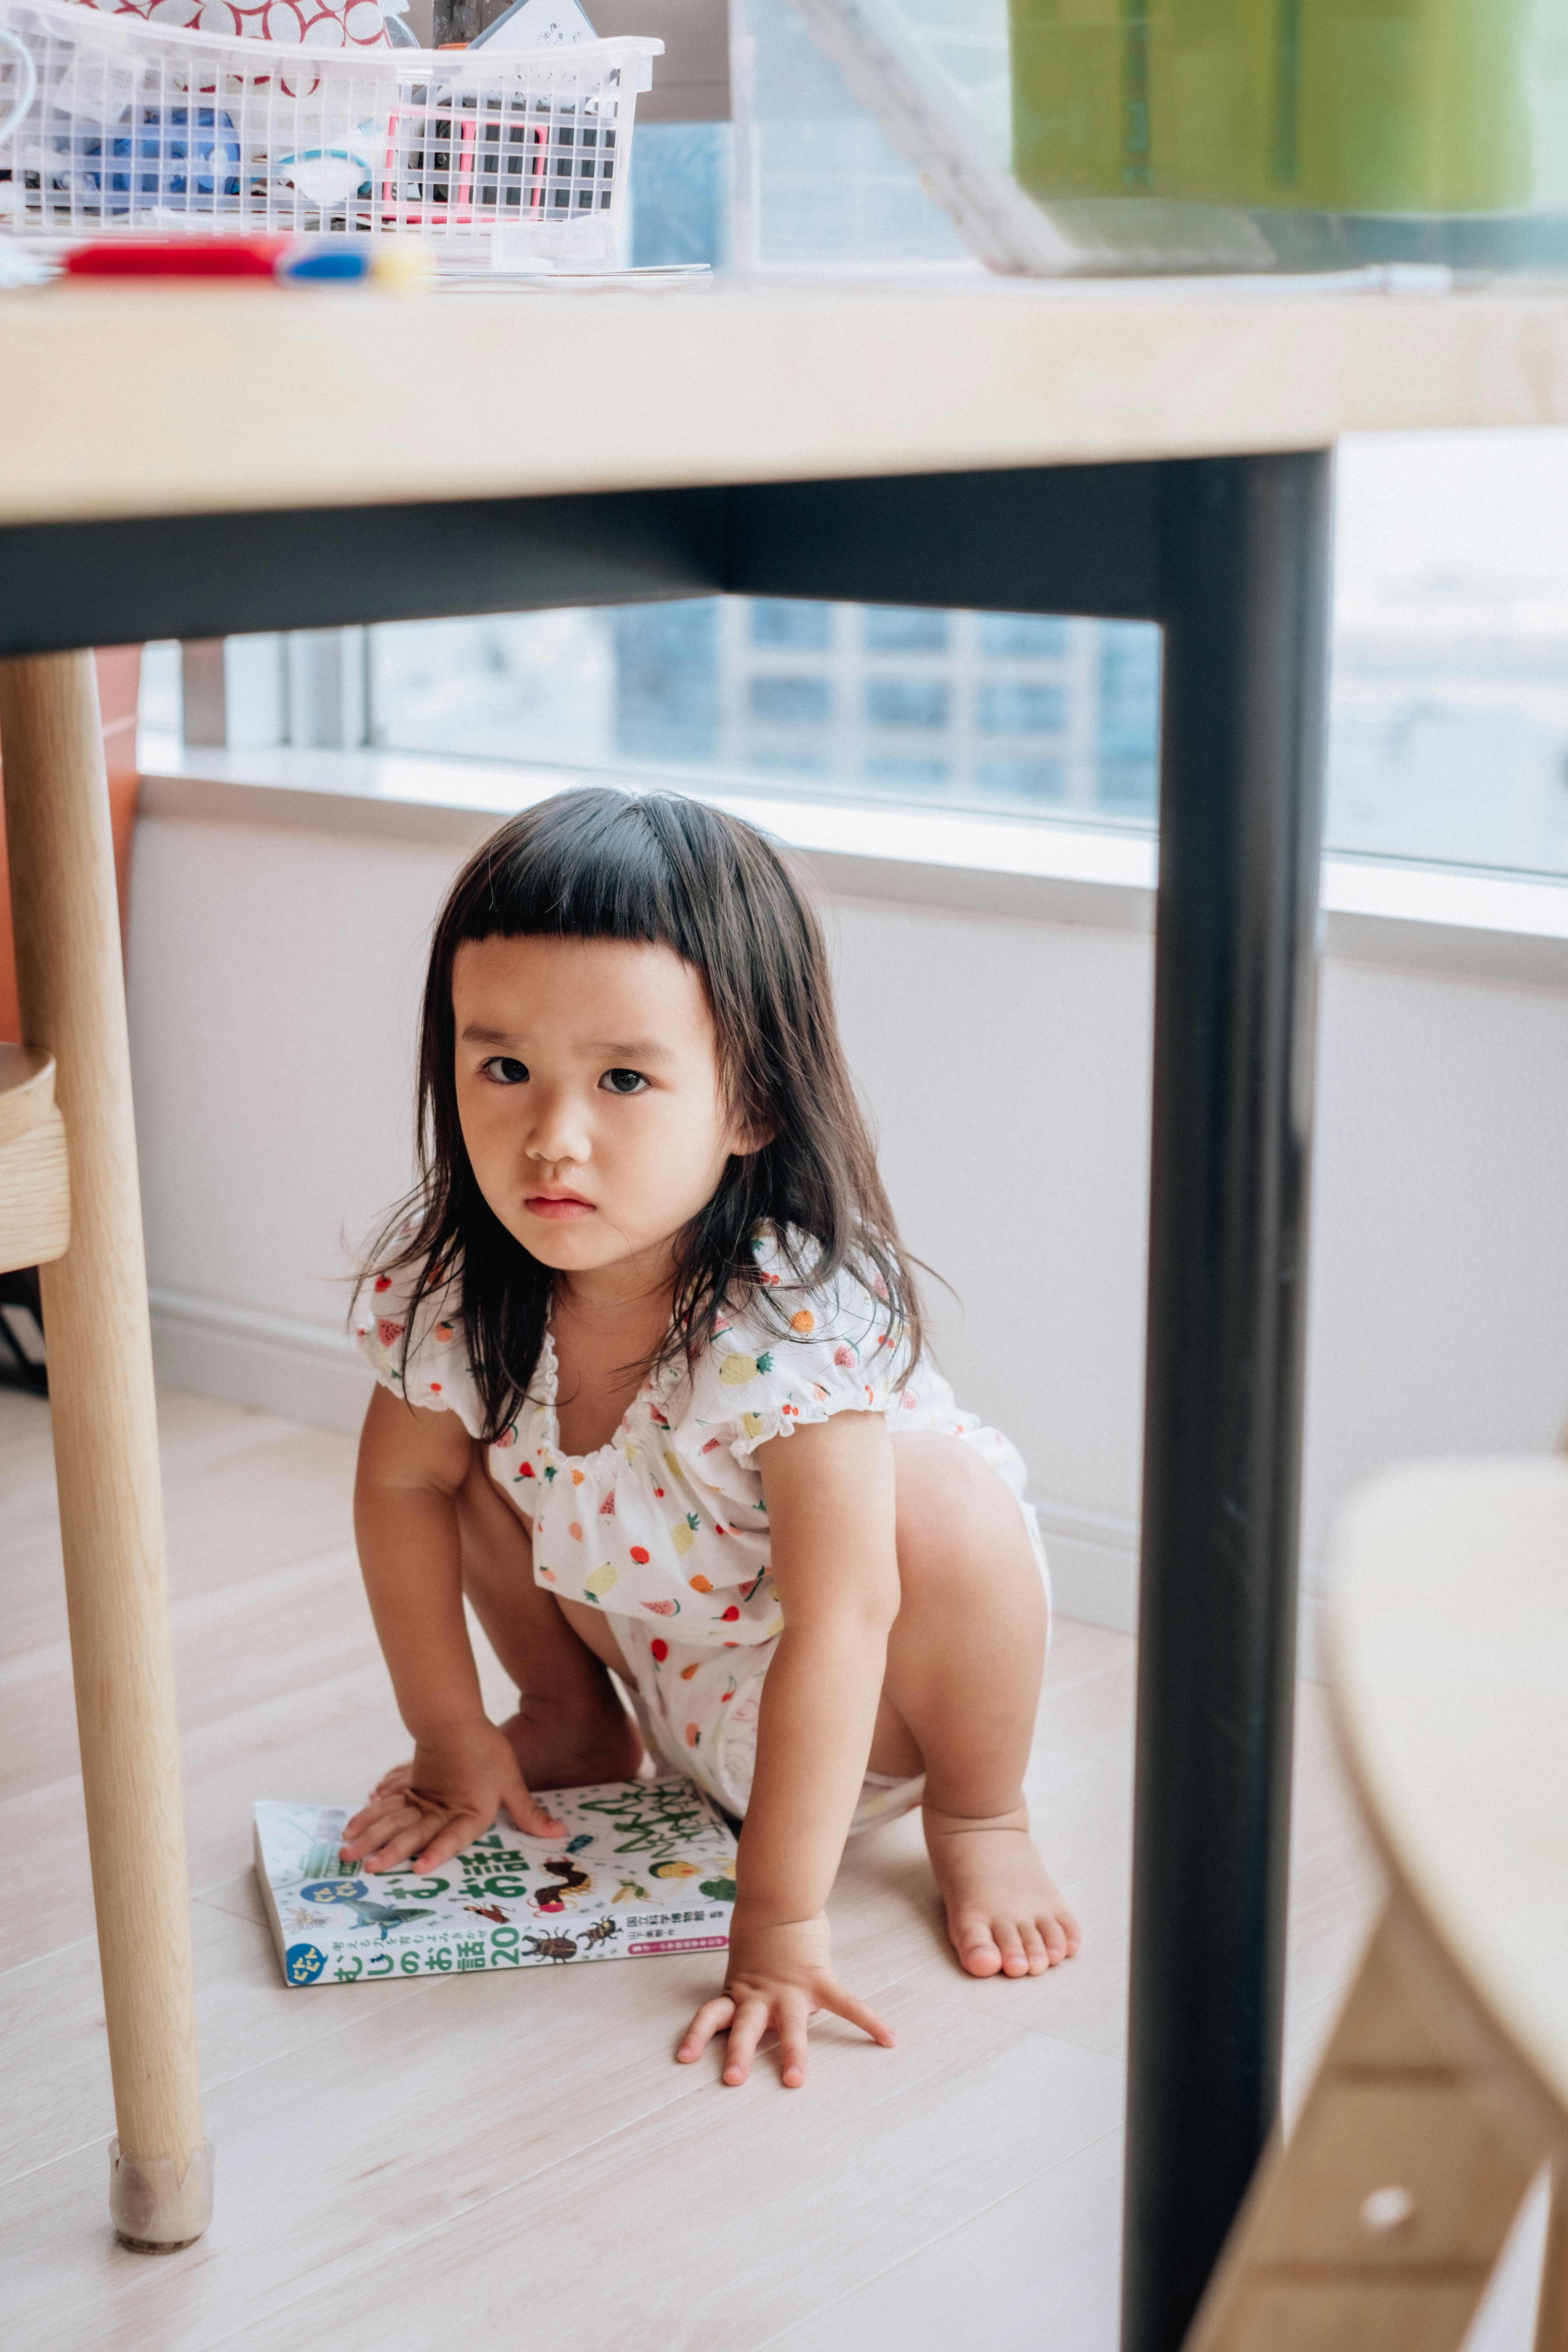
x=556, y=1135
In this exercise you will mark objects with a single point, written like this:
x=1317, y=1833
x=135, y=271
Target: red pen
x=181, y=257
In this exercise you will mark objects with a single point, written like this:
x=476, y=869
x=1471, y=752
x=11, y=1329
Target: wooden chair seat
x=1376, y=2227
x=35, y=1182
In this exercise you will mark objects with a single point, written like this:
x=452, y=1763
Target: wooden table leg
x=105, y=1446
x=1552, y=2311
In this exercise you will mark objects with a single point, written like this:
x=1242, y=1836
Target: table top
x=137, y=400
x=1449, y=1657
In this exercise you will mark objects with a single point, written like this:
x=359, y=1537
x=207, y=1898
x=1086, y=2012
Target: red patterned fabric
x=313, y=23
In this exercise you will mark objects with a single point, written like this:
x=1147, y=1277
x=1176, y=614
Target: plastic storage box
x=1097, y=136
x=122, y=128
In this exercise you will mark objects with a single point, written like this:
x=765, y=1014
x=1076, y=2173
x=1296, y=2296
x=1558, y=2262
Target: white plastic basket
x=132, y=130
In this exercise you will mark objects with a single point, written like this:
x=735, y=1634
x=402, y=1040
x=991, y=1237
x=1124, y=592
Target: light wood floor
x=404, y=2164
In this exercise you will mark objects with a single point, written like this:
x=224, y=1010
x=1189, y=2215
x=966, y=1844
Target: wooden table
x=191, y=463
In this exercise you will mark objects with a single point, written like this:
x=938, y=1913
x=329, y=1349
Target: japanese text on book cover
x=642, y=1867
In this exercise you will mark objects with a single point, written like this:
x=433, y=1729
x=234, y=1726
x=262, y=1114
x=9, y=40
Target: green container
x=1365, y=118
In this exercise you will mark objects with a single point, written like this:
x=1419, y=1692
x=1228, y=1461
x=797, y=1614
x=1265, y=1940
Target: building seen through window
x=1019, y=712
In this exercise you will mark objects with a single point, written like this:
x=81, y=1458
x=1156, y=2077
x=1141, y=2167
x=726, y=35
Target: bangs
x=600, y=865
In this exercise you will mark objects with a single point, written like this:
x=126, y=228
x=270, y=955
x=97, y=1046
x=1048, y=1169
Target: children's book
x=642, y=1867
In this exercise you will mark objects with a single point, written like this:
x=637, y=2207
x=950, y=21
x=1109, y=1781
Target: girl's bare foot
x=1005, y=1913
x=555, y=1750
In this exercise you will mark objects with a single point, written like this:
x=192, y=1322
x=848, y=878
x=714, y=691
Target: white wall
x=274, y=978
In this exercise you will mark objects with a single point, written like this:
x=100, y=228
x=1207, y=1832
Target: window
x=894, y=629
x=774, y=621
x=979, y=711
x=785, y=701
x=1006, y=633
x=1011, y=707
x=921, y=702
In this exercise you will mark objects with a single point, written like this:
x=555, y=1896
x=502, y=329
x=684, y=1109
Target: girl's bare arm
x=411, y=1465
x=829, y=1492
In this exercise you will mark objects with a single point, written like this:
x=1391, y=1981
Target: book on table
x=641, y=1867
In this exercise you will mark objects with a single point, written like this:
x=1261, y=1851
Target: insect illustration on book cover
x=570, y=1879
x=551, y=1948
x=648, y=1866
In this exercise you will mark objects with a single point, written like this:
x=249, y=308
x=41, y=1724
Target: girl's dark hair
x=600, y=864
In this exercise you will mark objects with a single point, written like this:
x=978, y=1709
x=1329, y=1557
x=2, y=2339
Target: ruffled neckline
x=640, y=1409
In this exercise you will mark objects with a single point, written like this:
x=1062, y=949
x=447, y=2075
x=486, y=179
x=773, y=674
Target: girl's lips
x=561, y=1207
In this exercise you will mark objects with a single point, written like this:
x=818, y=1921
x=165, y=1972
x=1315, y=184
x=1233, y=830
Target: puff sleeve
x=434, y=1372
x=820, y=1351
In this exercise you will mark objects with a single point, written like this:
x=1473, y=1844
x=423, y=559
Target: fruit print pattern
x=700, y=1711
x=666, y=1526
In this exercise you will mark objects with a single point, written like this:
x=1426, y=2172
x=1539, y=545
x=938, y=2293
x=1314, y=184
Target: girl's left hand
x=779, y=1973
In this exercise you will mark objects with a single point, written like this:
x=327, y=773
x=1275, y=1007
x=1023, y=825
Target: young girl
x=652, y=1395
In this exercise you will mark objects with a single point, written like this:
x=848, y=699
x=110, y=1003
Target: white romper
x=665, y=1528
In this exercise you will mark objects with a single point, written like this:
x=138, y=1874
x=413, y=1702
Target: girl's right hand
x=449, y=1796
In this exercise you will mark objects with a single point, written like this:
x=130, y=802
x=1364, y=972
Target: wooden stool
x=68, y=1095
x=1445, y=2087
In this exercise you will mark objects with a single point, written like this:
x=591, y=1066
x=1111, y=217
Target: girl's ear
x=746, y=1139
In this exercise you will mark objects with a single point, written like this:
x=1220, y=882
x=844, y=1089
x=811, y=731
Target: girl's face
x=589, y=1093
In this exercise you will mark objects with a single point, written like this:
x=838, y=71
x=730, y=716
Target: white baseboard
x=298, y=1370
x=1094, y=1565
x=1094, y=1577
x=305, y=1372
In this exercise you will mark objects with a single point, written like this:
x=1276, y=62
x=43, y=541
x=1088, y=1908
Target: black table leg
x=1244, y=596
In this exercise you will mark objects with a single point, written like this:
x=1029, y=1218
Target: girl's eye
x=624, y=1081
x=503, y=1071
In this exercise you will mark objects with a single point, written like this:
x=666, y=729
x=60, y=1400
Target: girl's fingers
x=363, y=1819
x=750, y=2024
x=396, y=1849
x=831, y=1995
x=749, y=2018
x=530, y=1815
x=375, y=1832
x=367, y=1823
x=457, y=1832
x=395, y=1808
x=791, y=2023
x=713, y=2017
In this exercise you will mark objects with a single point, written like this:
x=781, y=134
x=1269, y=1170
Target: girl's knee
x=955, y=1513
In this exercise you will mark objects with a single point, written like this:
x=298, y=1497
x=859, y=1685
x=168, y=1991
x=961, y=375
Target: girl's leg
x=569, y=1726
x=965, y=1662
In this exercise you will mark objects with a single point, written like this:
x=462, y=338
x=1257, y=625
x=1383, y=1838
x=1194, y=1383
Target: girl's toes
x=976, y=1947
x=1010, y=1944
x=1055, y=1942
x=1036, y=1951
